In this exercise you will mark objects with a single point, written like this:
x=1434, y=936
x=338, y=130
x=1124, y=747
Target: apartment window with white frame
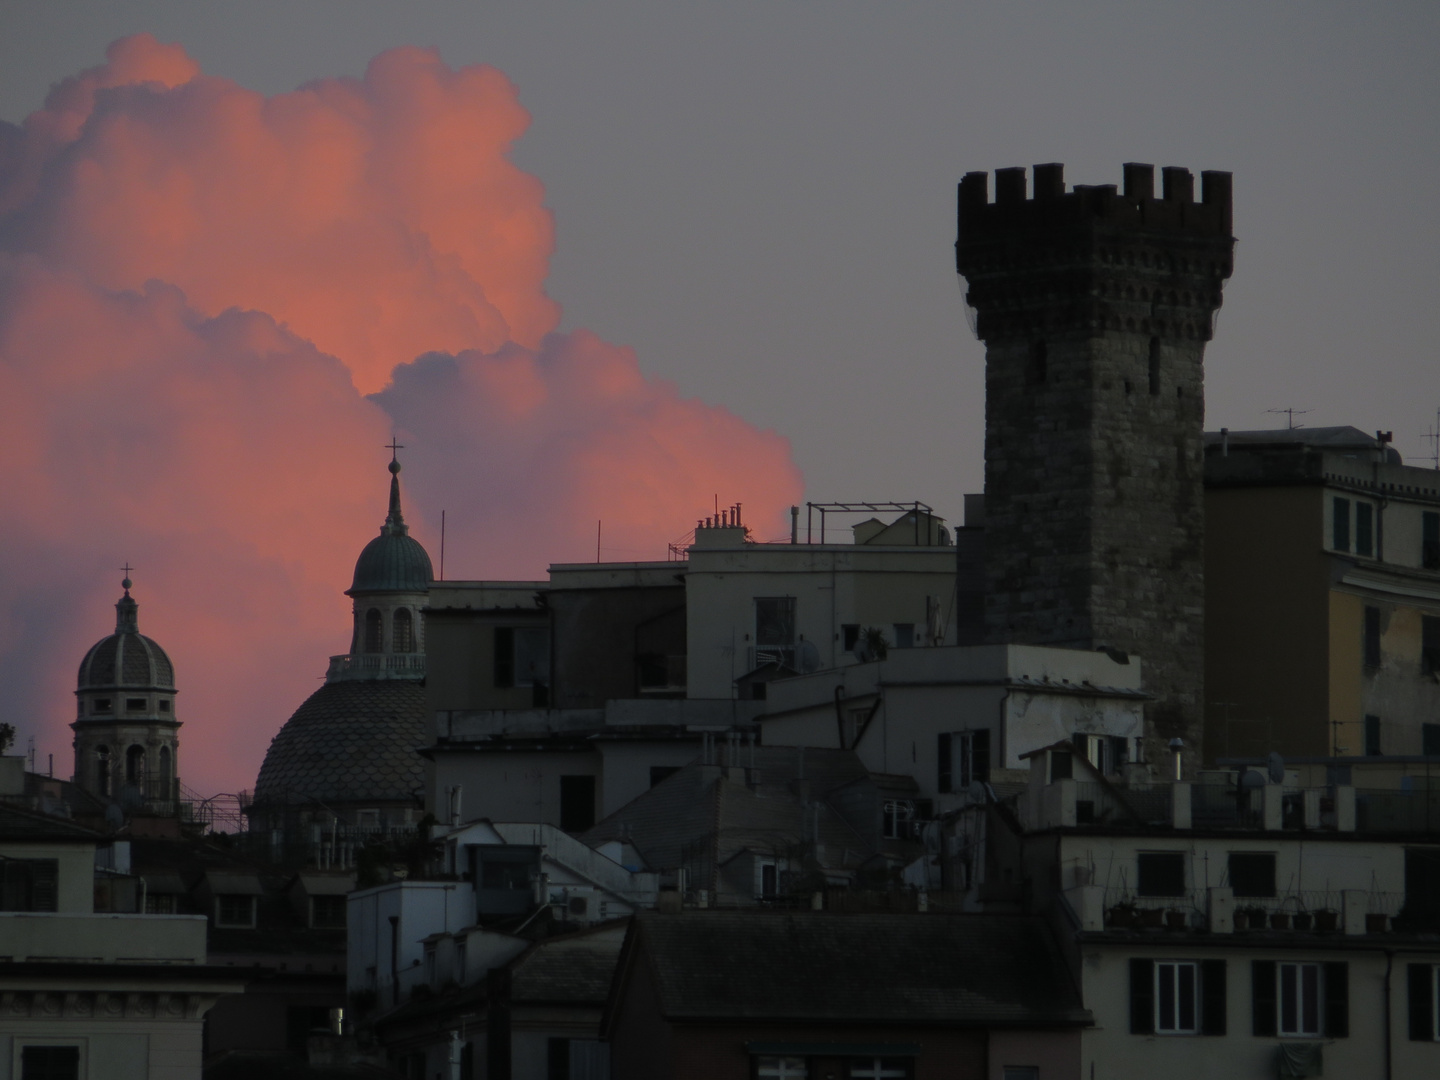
x=1424, y=1003
x=879, y=1068
x=775, y=1067
x=1177, y=1009
x=1300, y=990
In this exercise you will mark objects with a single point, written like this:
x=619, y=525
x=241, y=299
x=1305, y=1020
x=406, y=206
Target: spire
x=395, y=521
x=127, y=618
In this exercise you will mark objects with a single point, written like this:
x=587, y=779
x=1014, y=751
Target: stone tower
x=127, y=737
x=1095, y=307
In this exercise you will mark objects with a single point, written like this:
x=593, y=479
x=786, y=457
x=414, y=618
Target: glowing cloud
x=199, y=286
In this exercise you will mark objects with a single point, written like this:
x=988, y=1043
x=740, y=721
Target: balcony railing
x=376, y=666
x=1390, y=811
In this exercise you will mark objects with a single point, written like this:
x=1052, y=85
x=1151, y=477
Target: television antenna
x=1433, y=438
x=1290, y=415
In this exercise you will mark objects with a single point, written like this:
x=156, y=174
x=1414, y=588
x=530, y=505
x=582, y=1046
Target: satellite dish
x=976, y=791
x=1275, y=766
x=807, y=657
x=1250, y=780
x=113, y=816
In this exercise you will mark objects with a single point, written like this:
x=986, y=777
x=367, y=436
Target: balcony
x=348, y=666
x=1217, y=910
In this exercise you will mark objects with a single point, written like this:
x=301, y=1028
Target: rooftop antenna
x=1290, y=415
x=1433, y=438
x=442, y=545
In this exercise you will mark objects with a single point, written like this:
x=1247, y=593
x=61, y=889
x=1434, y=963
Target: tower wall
x=1095, y=307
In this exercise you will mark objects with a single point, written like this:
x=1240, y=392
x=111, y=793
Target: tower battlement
x=1051, y=207
x=1094, y=259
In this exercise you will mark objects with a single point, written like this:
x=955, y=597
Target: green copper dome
x=394, y=561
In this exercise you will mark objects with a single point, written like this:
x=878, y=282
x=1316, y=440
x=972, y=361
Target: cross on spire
x=393, y=446
x=125, y=584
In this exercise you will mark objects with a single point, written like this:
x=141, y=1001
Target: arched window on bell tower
x=102, y=770
x=135, y=765
x=404, y=640
x=165, y=772
x=374, y=631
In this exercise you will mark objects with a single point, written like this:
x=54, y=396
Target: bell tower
x=1095, y=306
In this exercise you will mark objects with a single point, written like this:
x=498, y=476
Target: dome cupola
x=394, y=561
x=127, y=659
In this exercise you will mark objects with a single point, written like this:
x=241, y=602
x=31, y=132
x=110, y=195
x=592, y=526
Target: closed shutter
x=980, y=754
x=1212, y=997
x=942, y=760
x=1142, y=997
x=1422, y=1002
x=1337, y=999
x=1262, y=997
x=504, y=656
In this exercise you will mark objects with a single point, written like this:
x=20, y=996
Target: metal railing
x=376, y=666
x=1387, y=810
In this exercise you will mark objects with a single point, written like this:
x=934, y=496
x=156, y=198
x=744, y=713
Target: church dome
x=127, y=659
x=394, y=561
x=351, y=741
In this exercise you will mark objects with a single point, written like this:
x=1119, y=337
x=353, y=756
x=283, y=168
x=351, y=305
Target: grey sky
x=759, y=197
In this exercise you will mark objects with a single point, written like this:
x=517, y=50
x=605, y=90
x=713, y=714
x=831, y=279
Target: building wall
x=111, y=1050
x=420, y=908
x=1267, y=650
x=1055, y=1053
x=520, y=785
x=832, y=586
x=76, y=871
x=625, y=768
x=1112, y=1051
x=718, y=1051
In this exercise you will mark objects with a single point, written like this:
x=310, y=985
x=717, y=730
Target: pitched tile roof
x=982, y=970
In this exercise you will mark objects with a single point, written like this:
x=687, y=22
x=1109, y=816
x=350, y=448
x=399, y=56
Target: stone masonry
x=1095, y=307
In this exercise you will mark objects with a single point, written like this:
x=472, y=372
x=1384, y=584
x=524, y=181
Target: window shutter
x=1142, y=997
x=942, y=758
x=1337, y=999
x=1212, y=997
x=1262, y=997
x=1422, y=1002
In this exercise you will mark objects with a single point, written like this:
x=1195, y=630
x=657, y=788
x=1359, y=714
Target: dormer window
x=235, y=912
x=100, y=705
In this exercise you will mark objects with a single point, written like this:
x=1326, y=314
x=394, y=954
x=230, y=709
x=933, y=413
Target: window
x=780, y=1068
x=1176, y=1009
x=904, y=635
x=1154, y=366
x=974, y=757
x=879, y=1068
x=50, y=1063
x=1161, y=873
x=235, y=912
x=767, y=880
x=1372, y=735
x=522, y=656
x=374, y=631
x=135, y=765
x=943, y=779
x=1039, y=362
x=164, y=706
x=895, y=814
x=1177, y=997
x=327, y=912
x=1364, y=529
x=1061, y=767
x=1106, y=752
x=774, y=629
x=1252, y=873
x=1423, y=1001
x=577, y=803
x=557, y=1059
x=159, y=904
x=1300, y=999
x=102, y=770
x=1340, y=524
x=1430, y=541
x=404, y=631
x=1020, y=1072
x=1430, y=740
x=849, y=635
x=1372, y=638
x=29, y=884
x=1430, y=644
x=102, y=705
x=135, y=704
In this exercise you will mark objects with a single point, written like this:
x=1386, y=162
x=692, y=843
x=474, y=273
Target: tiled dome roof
x=350, y=742
x=127, y=659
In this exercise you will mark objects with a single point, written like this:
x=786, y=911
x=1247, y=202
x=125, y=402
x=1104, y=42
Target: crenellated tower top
x=1094, y=259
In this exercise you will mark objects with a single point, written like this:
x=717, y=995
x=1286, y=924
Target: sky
x=701, y=252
